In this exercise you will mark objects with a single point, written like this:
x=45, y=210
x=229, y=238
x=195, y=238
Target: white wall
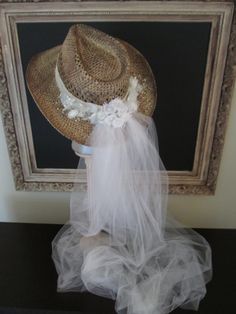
x=218, y=211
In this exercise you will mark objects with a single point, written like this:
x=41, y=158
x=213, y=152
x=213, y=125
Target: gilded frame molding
x=216, y=100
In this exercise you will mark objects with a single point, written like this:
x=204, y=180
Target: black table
x=28, y=277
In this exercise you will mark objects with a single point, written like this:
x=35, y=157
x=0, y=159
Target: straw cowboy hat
x=92, y=67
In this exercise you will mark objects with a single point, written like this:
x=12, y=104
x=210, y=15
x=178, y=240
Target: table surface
x=28, y=277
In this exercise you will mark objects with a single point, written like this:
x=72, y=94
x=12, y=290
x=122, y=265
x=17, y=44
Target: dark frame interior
x=177, y=53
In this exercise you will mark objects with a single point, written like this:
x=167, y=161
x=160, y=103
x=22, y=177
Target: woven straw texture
x=94, y=67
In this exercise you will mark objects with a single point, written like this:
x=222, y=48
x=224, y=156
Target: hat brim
x=40, y=78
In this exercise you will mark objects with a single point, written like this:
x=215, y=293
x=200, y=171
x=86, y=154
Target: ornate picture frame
x=219, y=76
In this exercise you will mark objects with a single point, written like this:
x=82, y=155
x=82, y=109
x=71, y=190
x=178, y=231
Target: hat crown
x=93, y=66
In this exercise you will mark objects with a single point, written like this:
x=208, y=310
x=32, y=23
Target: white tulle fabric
x=143, y=258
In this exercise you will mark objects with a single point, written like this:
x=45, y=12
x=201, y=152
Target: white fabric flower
x=101, y=115
x=72, y=114
x=108, y=119
x=118, y=123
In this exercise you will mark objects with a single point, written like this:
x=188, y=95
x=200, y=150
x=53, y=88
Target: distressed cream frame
x=217, y=91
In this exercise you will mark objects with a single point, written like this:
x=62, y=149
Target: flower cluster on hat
x=114, y=113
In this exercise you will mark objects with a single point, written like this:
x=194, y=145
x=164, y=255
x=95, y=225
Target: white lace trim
x=114, y=113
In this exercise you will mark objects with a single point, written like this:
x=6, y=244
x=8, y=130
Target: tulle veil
x=121, y=242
